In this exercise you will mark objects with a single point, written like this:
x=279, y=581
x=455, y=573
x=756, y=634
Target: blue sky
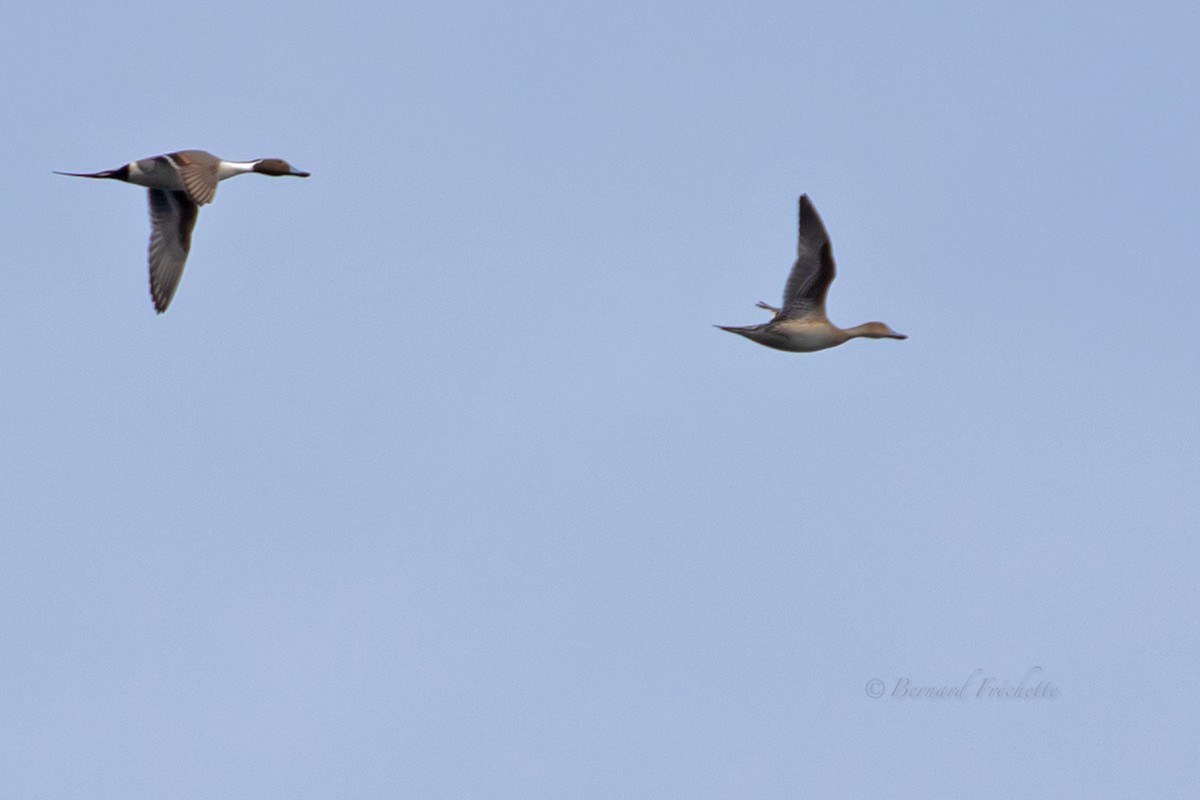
x=436, y=481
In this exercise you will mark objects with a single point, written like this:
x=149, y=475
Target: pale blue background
x=435, y=481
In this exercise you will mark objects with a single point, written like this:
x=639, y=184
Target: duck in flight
x=801, y=326
x=179, y=184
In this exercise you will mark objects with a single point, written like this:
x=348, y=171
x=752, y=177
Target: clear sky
x=436, y=481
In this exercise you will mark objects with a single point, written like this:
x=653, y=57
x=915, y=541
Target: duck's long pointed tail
x=107, y=173
x=743, y=330
x=116, y=174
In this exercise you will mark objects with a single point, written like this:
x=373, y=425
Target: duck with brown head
x=179, y=184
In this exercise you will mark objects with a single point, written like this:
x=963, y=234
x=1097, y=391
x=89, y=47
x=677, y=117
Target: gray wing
x=814, y=270
x=197, y=172
x=172, y=218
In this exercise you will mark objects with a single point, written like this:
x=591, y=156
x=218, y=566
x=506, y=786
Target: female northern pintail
x=801, y=326
x=179, y=184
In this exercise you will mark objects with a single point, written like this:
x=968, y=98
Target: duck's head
x=276, y=167
x=877, y=330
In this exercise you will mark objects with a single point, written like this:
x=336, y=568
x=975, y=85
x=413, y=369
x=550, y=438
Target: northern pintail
x=179, y=184
x=801, y=325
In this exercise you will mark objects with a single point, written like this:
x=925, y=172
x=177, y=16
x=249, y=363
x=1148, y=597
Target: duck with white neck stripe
x=179, y=184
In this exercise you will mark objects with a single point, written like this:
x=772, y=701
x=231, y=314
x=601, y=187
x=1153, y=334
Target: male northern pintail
x=179, y=184
x=801, y=325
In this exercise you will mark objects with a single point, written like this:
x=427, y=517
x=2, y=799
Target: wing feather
x=172, y=219
x=197, y=172
x=814, y=270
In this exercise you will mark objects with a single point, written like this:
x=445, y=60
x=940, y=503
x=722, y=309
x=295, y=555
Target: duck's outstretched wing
x=172, y=218
x=814, y=270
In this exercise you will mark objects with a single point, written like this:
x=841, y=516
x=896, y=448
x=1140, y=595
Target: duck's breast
x=806, y=336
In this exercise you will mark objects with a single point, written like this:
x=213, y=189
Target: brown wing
x=198, y=173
